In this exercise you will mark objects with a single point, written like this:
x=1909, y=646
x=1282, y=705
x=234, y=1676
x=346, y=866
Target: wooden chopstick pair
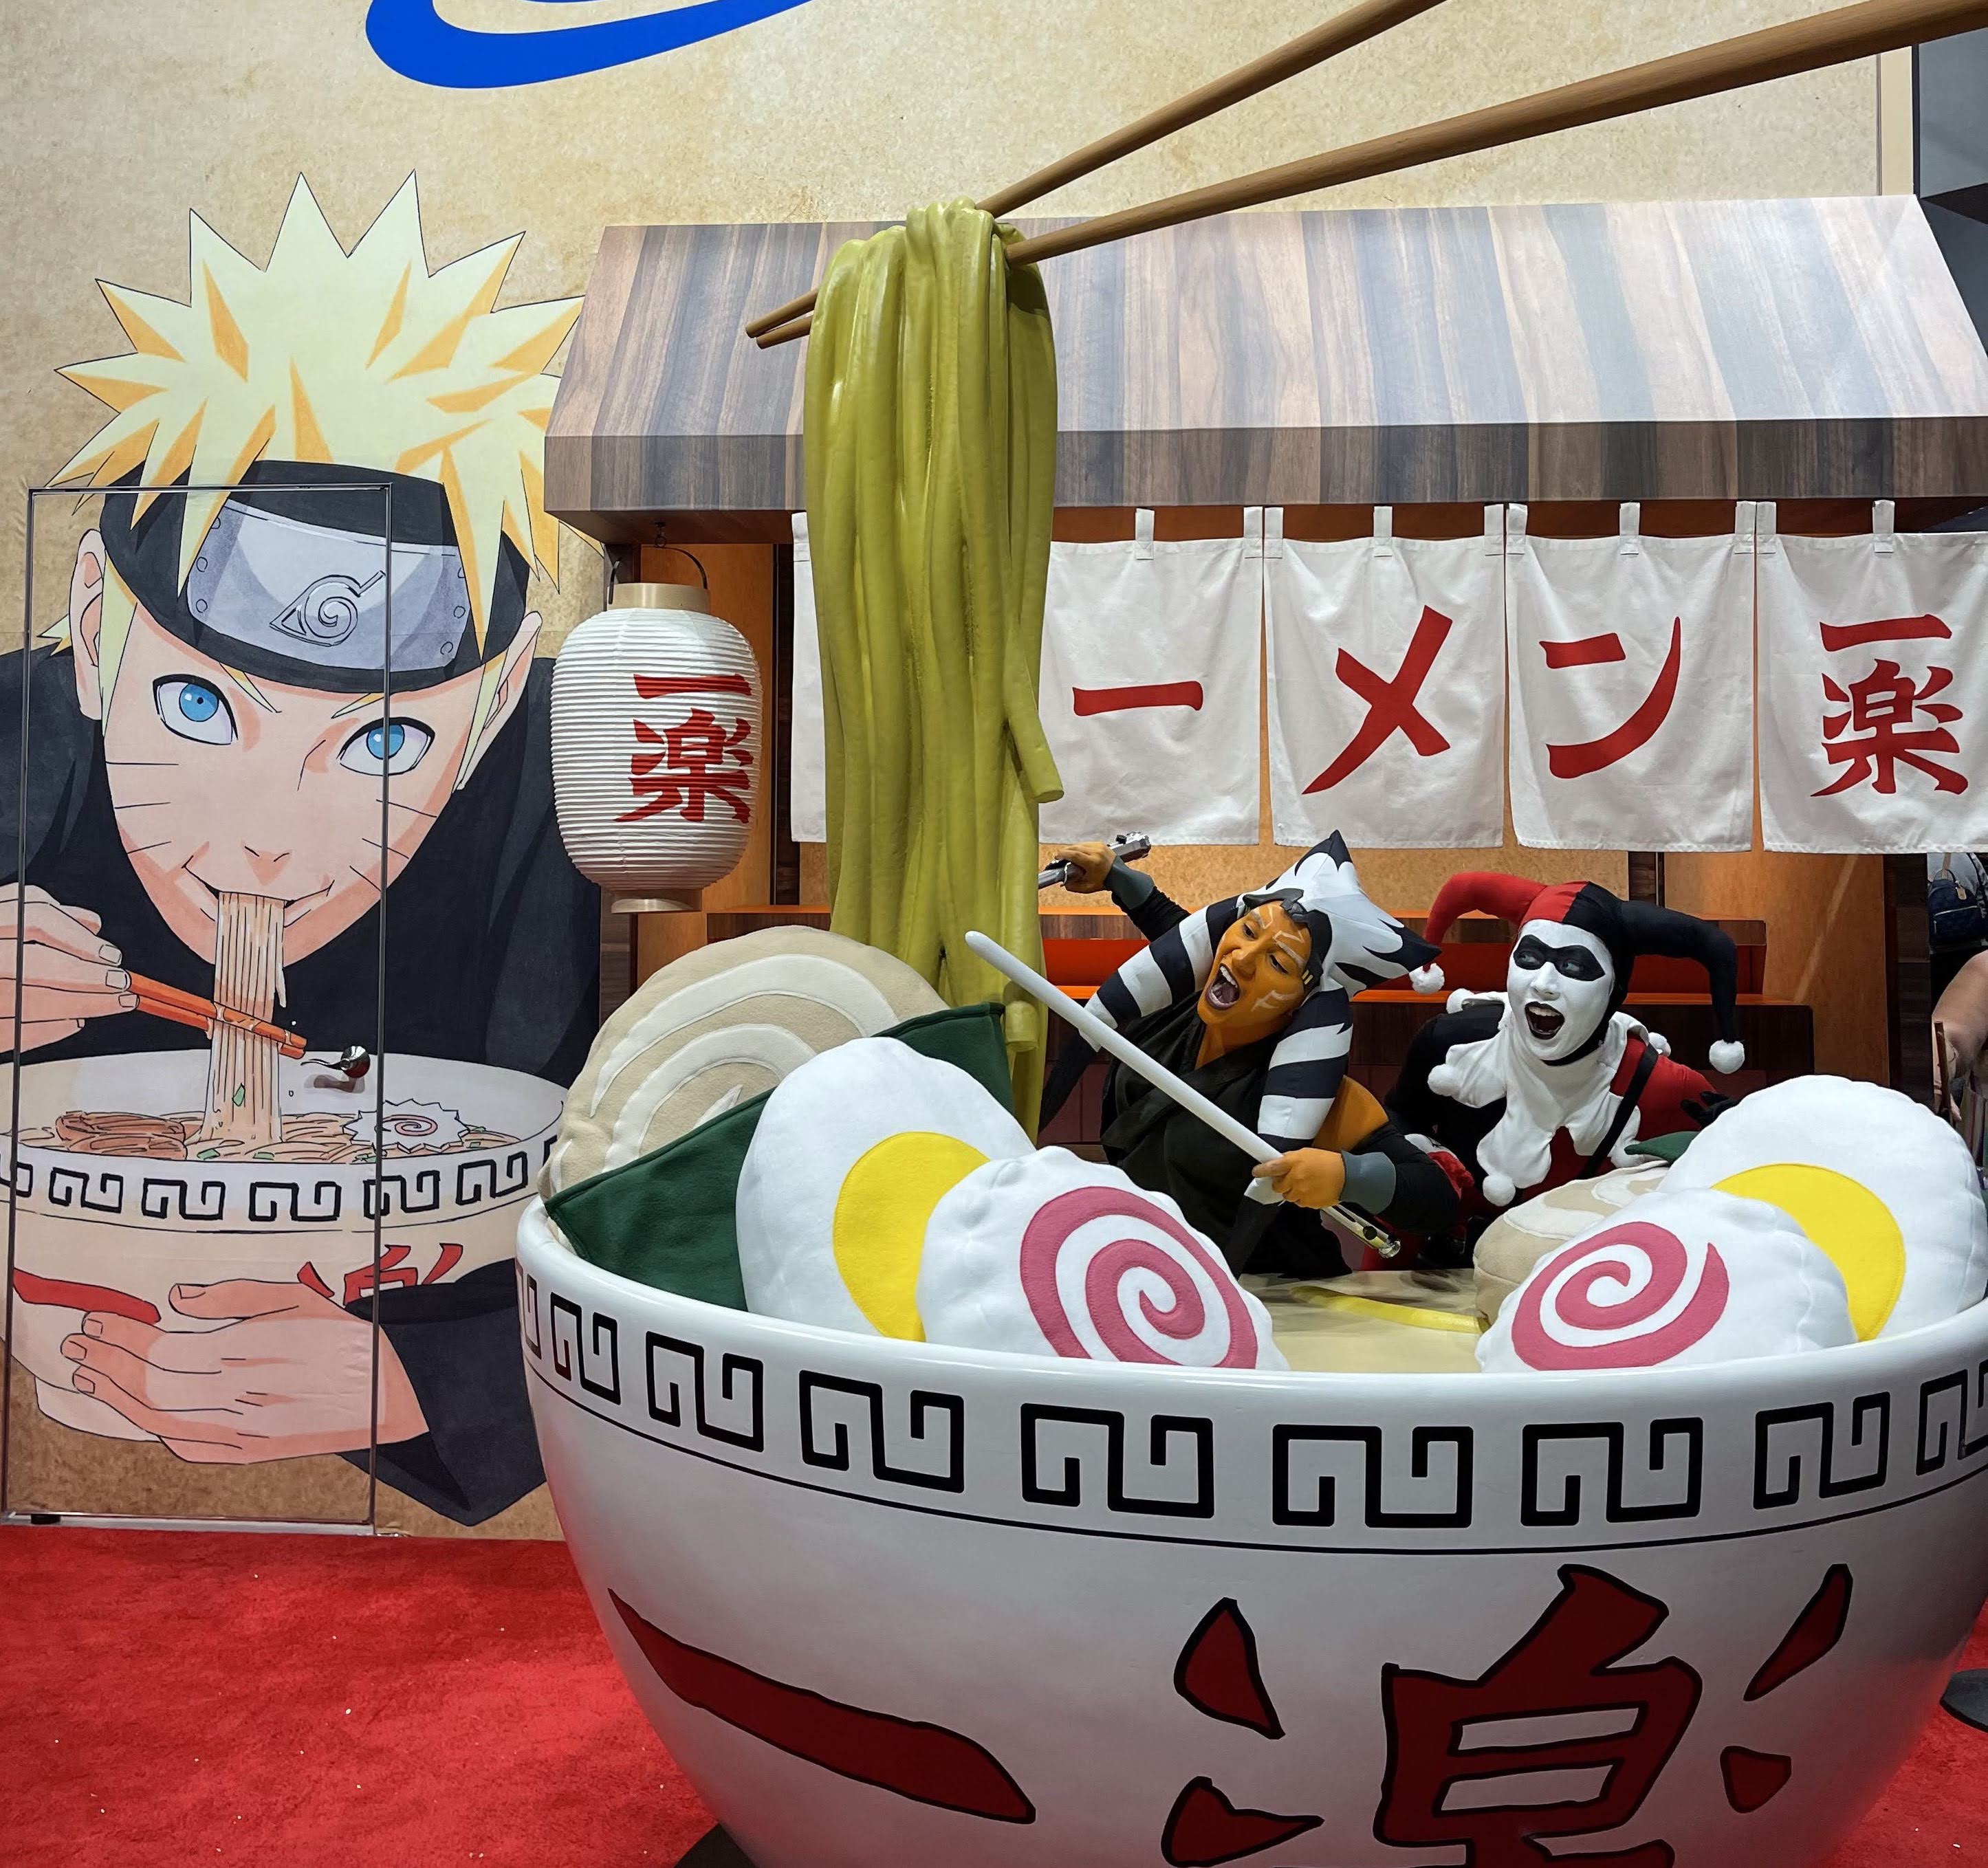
x=1834, y=38
x=163, y=1001
x=1354, y=27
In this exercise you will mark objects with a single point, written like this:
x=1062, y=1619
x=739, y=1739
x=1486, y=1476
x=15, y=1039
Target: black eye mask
x=1570, y=962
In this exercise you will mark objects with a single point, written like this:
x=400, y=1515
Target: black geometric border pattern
x=833, y=1405
x=196, y=1198
x=1821, y=1451
x=1953, y=1420
x=1559, y=1461
x=1175, y=1474
x=1442, y=1485
x=1060, y=1449
x=100, y=1191
x=173, y=1198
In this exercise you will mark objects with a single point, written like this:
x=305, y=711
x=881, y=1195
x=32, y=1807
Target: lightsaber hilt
x=1132, y=847
x=1104, y=1037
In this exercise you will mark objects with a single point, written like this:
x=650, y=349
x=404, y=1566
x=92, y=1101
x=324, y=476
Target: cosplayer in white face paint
x=1560, y=982
x=1552, y=1080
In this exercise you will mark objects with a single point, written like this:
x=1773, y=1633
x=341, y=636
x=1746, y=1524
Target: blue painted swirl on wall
x=413, y=38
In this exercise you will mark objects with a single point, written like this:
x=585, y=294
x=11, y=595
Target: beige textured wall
x=125, y=114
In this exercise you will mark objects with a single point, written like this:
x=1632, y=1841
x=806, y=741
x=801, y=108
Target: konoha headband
x=291, y=586
x=267, y=582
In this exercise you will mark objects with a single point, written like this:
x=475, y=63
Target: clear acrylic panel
x=191, y=1198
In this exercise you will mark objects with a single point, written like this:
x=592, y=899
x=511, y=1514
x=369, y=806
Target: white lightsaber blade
x=1108, y=1038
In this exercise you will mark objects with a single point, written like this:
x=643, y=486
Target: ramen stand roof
x=1814, y=349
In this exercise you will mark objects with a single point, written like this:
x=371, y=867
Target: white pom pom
x=1658, y=1042
x=1459, y=999
x=1428, y=979
x=1446, y=1080
x=1499, y=1190
x=1728, y=1054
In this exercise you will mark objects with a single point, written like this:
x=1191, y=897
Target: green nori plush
x=667, y=1218
x=1663, y=1147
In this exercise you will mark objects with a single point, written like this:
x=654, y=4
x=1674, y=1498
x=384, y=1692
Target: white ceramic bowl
x=811, y=1529
x=134, y=1228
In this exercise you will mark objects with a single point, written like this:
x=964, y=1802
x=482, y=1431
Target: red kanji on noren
x=1458, y=1757
x=1391, y=704
x=1592, y=755
x=1879, y=729
x=1876, y=733
x=698, y=761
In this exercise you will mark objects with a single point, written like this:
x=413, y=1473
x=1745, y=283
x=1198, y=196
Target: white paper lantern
x=655, y=729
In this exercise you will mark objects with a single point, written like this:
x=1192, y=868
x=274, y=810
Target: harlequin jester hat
x=1624, y=928
x=1353, y=944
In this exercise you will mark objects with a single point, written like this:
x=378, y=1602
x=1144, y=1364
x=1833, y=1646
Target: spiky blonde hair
x=364, y=359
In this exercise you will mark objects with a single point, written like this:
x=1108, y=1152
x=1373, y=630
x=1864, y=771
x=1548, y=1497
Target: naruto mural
x=295, y=677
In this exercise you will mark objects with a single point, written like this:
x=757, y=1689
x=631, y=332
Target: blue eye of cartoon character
x=193, y=709
x=387, y=746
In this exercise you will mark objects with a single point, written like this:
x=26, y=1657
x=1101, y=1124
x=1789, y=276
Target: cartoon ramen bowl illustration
x=117, y=1199
x=892, y=1605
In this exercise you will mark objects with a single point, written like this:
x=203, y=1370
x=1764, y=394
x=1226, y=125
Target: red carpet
x=170, y=1698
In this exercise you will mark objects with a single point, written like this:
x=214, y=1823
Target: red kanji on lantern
x=698, y=759
x=1445, y=1763
x=1888, y=718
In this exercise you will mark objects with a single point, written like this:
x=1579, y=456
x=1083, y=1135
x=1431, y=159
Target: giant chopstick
x=1836, y=37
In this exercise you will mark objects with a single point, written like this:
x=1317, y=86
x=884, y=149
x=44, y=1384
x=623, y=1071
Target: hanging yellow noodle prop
x=241, y=1104
x=931, y=447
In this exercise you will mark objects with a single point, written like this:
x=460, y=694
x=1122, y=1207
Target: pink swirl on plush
x=1183, y=1319
x=1597, y=1263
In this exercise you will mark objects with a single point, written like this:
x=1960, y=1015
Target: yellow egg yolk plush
x=881, y=1215
x=1848, y=1222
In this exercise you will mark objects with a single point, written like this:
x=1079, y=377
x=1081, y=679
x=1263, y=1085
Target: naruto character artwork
x=295, y=677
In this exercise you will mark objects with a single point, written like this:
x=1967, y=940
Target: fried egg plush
x=854, y=1150
x=1046, y=1254
x=1677, y=1279
x=1884, y=1187
x=716, y=1027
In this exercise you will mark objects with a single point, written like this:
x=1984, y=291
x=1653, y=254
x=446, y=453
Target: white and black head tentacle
x=1306, y=1070
x=1168, y=970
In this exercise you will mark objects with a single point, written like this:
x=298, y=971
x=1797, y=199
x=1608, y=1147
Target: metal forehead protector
x=318, y=595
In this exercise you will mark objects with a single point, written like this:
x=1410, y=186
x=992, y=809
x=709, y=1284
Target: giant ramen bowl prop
x=108, y=1232
x=891, y=1606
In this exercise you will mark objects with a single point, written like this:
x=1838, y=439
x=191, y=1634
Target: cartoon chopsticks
x=164, y=1002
